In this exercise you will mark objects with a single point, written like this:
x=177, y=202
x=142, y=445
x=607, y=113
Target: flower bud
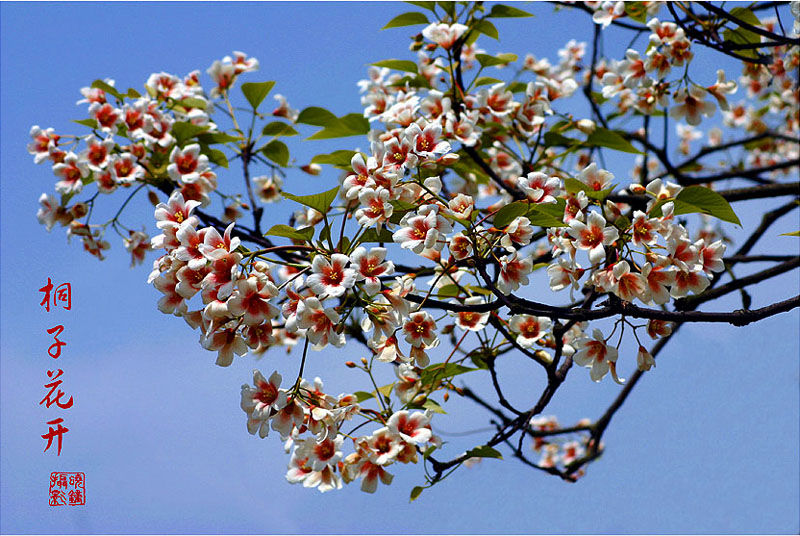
x=586, y=126
x=312, y=169
x=448, y=159
x=419, y=400
x=364, y=361
x=78, y=210
x=153, y=198
x=644, y=359
x=350, y=364
x=637, y=189
x=446, y=397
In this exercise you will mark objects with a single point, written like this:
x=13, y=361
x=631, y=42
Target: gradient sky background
x=707, y=443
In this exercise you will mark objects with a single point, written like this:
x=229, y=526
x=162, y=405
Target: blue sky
x=707, y=443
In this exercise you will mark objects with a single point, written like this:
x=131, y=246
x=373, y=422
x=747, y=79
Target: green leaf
x=449, y=8
x=487, y=80
x=184, y=130
x=501, y=59
x=305, y=234
x=415, y=492
x=443, y=370
x=433, y=406
x=741, y=36
x=347, y=125
x=256, y=92
x=320, y=202
x=363, y=395
x=487, y=28
x=517, y=87
x=133, y=94
x=796, y=233
x=603, y=137
x=371, y=235
x=398, y=65
x=278, y=128
x=215, y=156
x=636, y=11
x=340, y=158
x=278, y=152
x=554, y=139
x=574, y=186
x=107, y=88
x=503, y=11
x=484, y=452
x=543, y=215
x=193, y=102
x=407, y=19
x=319, y=117
x=217, y=137
x=386, y=390
x=448, y=291
x=698, y=199
x=91, y=123
x=412, y=81
x=430, y=6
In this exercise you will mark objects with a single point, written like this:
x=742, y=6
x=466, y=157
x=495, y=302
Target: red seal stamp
x=67, y=489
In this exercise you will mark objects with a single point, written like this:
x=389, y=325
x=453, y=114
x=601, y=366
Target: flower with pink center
x=711, y=257
x=644, y=359
x=463, y=128
x=223, y=75
x=190, y=281
x=358, y=464
x=633, y=69
x=593, y=236
x=137, y=244
x=420, y=328
x=187, y=164
x=284, y=110
x=262, y=401
x=691, y=105
x=43, y=140
x=418, y=233
x=369, y=267
x=227, y=342
x=411, y=427
x=216, y=247
x=191, y=241
x=594, y=353
x=125, y=168
x=375, y=207
x=694, y=280
x=399, y=154
x=289, y=417
x=461, y=206
x=657, y=279
x=172, y=302
x=106, y=116
x=97, y=153
x=444, y=35
x=566, y=273
x=531, y=329
x=72, y=172
x=539, y=187
x=496, y=100
x=93, y=94
x=596, y=179
x=471, y=320
x=629, y=285
x=575, y=206
x=251, y=300
x=331, y=278
x=608, y=12
x=658, y=328
x=175, y=211
x=320, y=323
x=51, y=212
x=241, y=63
x=519, y=231
x=682, y=253
x=644, y=229
x=460, y=246
x=359, y=179
x=513, y=273
x=427, y=143
x=722, y=88
x=164, y=85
